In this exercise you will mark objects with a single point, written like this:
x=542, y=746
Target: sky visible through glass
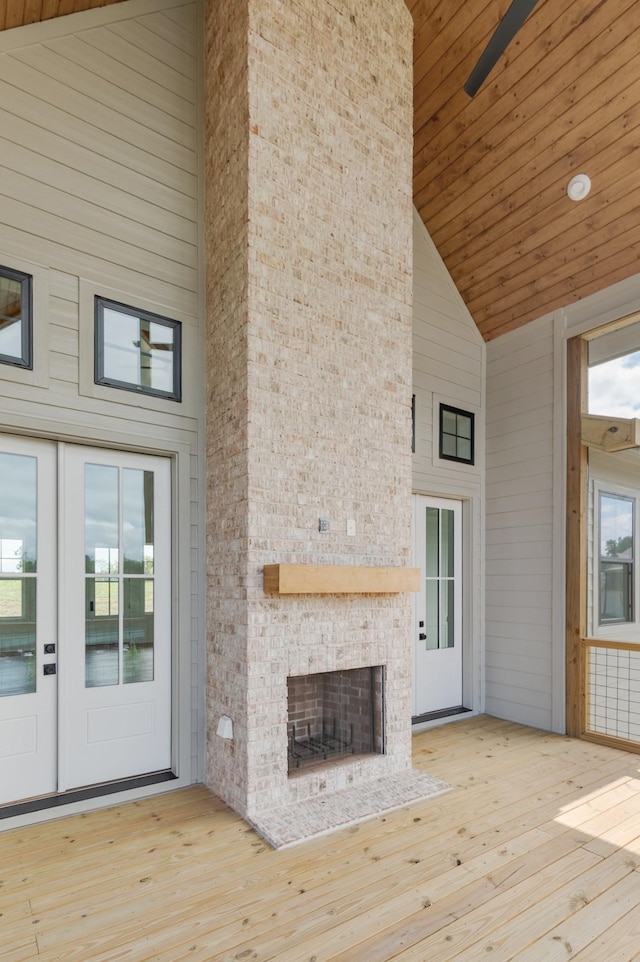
x=614, y=387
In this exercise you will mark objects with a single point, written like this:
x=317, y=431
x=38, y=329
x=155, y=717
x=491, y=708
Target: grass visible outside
x=10, y=597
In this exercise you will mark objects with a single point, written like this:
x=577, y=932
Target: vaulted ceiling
x=490, y=172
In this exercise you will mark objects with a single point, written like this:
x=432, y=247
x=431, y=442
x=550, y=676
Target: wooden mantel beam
x=610, y=434
x=292, y=579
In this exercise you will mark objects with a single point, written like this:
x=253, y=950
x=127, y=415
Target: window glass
x=15, y=318
x=447, y=615
x=17, y=636
x=456, y=434
x=617, y=550
x=464, y=449
x=616, y=526
x=18, y=517
x=440, y=578
x=432, y=557
x=18, y=541
x=101, y=523
x=119, y=564
x=121, y=340
x=101, y=632
x=137, y=351
x=138, y=630
x=447, y=567
x=432, y=616
x=449, y=446
x=137, y=510
x=614, y=592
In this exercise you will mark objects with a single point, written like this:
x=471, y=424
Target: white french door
x=85, y=617
x=438, y=606
x=115, y=656
x=28, y=619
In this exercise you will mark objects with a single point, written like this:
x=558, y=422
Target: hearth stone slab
x=289, y=824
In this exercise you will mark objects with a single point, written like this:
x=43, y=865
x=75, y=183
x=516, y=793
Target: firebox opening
x=335, y=715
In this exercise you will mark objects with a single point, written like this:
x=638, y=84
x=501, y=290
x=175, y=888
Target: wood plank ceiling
x=16, y=13
x=491, y=172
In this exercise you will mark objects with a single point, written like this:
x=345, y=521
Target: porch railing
x=612, y=692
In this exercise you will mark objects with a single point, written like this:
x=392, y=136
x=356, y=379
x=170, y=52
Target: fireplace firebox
x=335, y=715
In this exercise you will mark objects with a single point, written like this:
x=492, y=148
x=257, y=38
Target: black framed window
x=16, y=320
x=456, y=434
x=137, y=351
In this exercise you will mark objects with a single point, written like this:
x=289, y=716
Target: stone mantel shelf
x=306, y=579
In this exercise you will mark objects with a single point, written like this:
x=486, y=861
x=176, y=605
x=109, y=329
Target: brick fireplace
x=309, y=291
x=334, y=715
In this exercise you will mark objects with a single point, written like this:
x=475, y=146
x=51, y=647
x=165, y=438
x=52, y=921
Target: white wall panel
x=520, y=524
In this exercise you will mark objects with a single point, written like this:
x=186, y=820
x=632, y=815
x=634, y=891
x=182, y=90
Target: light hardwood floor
x=534, y=856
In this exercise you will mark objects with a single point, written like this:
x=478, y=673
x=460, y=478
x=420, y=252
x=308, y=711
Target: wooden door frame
x=576, y=565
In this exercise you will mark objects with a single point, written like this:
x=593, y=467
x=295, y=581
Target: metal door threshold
x=44, y=802
x=443, y=713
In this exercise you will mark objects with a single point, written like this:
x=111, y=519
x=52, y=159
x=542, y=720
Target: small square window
x=15, y=318
x=456, y=434
x=137, y=351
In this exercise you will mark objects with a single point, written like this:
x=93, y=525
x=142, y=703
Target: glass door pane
x=18, y=564
x=138, y=630
x=28, y=619
x=102, y=632
x=119, y=588
x=439, y=567
x=102, y=563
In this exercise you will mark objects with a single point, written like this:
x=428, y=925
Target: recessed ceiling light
x=579, y=186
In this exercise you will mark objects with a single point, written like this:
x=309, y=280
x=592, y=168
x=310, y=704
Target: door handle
x=422, y=636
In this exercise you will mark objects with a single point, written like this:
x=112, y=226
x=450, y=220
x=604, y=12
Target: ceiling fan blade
x=504, y=34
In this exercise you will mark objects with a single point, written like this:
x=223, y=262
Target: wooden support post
x=576, y=579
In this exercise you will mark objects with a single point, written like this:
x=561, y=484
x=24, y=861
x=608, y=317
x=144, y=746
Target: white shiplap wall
x=99, y=195
x=520, y=524
x=449, y=367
